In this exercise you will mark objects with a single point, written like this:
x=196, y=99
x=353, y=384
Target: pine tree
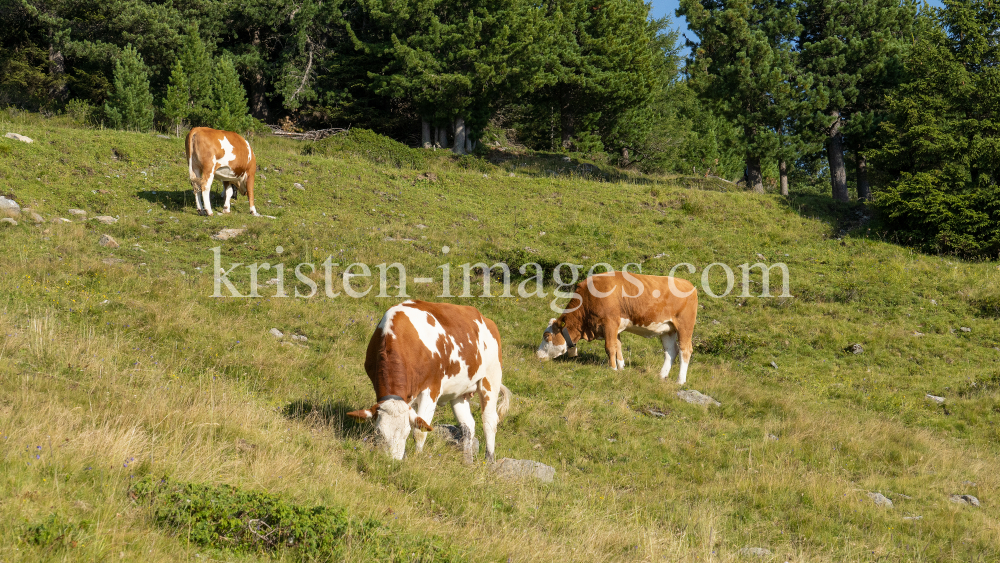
x=197, y=63
x=177, y=103
x=848, y=48
x=229, y=99
x=941, y=144
x=744, y=62
x=130, y=104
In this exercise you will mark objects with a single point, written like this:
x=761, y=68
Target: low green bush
x=370, y=146
x=56, y=533
x=230, y=519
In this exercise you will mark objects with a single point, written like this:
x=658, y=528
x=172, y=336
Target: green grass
x=117, y=364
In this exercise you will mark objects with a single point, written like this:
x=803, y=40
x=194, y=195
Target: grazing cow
x=224, y=155
x=606, y=304
x=424, y=352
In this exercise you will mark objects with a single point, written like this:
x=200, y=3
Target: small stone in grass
x=935, y=398
x=964, y=499
x=276, y=333
x=107, y=241
x=880, y=500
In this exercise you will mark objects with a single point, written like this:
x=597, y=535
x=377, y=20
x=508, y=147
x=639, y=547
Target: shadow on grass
x=172, y=200
x=329, y=415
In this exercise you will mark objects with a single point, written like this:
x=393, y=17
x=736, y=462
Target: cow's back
x=418, y=345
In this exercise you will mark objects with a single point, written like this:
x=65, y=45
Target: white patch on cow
x=548, y=349
x=420, y=320
x=393, y=426
x=249, y=151
x=651, y=330
x=229, y=155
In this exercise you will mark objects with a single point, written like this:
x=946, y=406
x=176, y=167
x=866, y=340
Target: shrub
x=53, y=532
x=228, y=518
x=79, y=111
x=370, y=146
x=130, y=105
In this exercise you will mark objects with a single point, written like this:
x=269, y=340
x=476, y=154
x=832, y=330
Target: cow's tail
x=503, y=401
x=189, y=152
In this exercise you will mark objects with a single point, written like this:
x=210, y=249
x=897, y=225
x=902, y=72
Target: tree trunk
x=783, y=173
x=567, y=121
x=258, y=89
x=459, y=147
x=835, y=152
x=469, y=145
x=57, y=75
x=755, y=180
x=425, y=134
x=625, y=161
x=864, y=191
x=443, y=137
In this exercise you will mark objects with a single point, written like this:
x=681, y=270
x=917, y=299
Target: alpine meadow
x=185, y=382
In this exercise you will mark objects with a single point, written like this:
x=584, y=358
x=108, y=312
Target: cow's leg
x=206, y=189
x=621, y=358
x=425, y=410
x=612, y=344
x=686, y=349
x=196, y=188
x=463, y=413
x=488, y=402
x=669, y=342
x=227, y=189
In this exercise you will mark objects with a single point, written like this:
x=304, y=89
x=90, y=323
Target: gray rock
x=276, y=333
x=755, y=552
x=226, y=234
x=935, y=398
x=33, y=215
x=917, y=517
x=855, y=348
x=772, y=437
x=453, y=435
x=299, y=337
x=9, y=208
x=164, y=136
x=17, y=137
x=420, y=226
x=965, y=329
x=964, y=499
x=774, y=365
x=106, y=219
x=10, y=221
x=696, y=398
x=107, y=241
x=524, y=468
x=880, y=500
x=933, y=302
x=78, y=213
x=299, y=186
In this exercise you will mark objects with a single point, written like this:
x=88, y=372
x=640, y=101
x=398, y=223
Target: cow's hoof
x=225, y=211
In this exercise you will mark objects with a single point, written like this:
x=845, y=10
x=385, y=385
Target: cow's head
x=554, y=342
x=394, y=419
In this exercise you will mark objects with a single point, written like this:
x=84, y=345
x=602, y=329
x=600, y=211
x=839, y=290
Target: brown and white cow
x=607, y=304
x=224, y=155
x=422, y=353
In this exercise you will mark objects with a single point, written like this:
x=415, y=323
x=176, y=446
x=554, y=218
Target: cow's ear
x=551, y=322
x=422, y=424
x=363, y=414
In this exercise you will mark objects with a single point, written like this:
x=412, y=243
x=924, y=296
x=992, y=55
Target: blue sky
x=668, y=7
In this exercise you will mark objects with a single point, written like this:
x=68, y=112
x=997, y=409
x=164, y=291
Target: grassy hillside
x=118, y=364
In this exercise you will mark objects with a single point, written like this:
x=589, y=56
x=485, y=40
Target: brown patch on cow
x=486, y=384
x=363, y=414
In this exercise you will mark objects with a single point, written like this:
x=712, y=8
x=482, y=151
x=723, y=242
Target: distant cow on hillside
x=224, y=155
x=607, y=304
x=424, y=352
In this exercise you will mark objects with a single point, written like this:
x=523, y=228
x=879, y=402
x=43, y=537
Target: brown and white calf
x=605, y=305
x=224, y=155
x=422, y=353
